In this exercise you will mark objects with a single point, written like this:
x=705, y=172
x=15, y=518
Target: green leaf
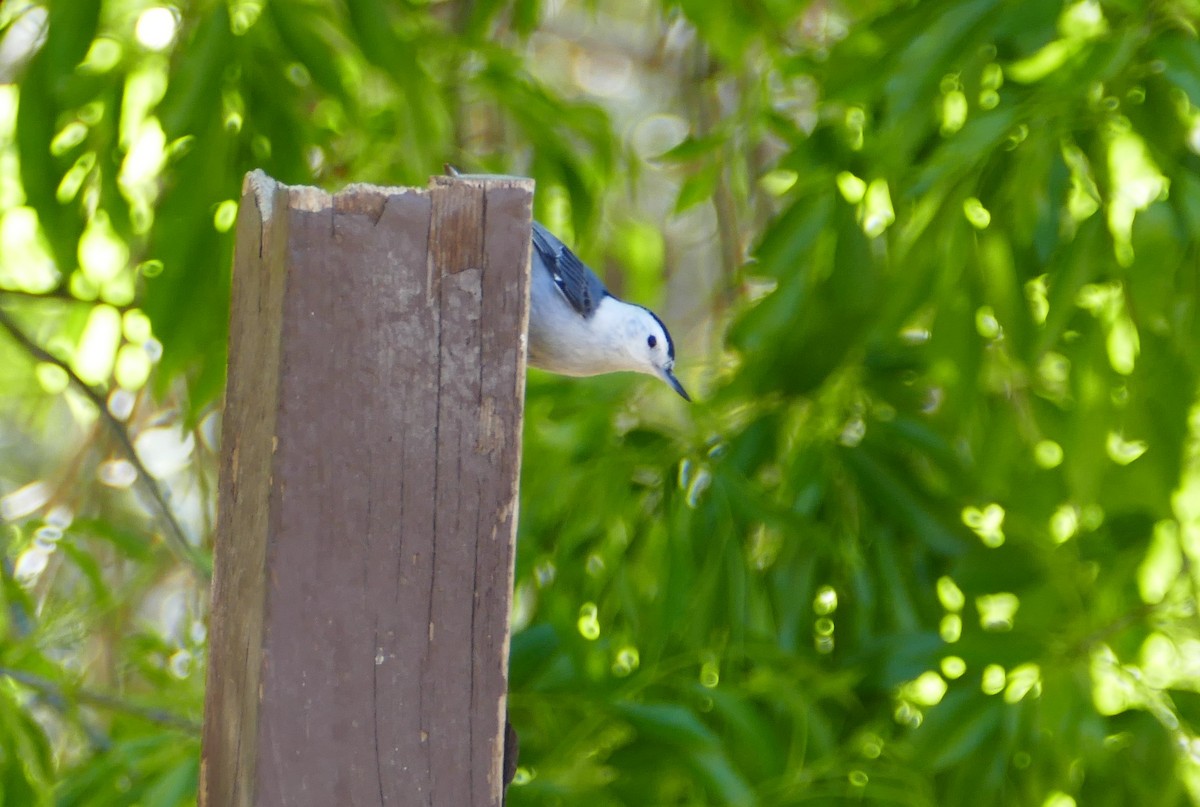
x=697, y=188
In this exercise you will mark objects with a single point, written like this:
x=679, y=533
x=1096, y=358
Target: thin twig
x=707, y=117
x=55, y=692
x=60, y=294
x=176, y=538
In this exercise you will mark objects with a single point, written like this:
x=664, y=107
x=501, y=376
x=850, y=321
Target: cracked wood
x=370, y=459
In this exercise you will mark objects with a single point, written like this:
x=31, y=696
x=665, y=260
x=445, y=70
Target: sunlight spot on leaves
x=180, y=663
x=872, y=746
x=68, y=138
x=595, y=565
x=1137, y=183
x=953, y=667
x=47, y=537
x=1083, y=20
x=121, y=403
x=1161, y=565
x=1058, y=799
x=31, y=563
x=165, y=450
x=823, y=629
x=876, y=212
x=1039, y=302
x=950, y=628
x=1064, y=523
x=1047, y=454
x=133, y=367
x=1047, y=60
x=1024, y=679
x=144, y=161
x=135, y=326
x=225, y=216
x=26, y=262
x=993, y=680
x=118, y=473
x=626, y=661
x=1193, y=135
x=156, y=27
x=655, y=136
x=779, y=181
x=9, y=100
x=523, y=606
x=997, y=611
x=991, y=79
x=986, y=523
x=74, y=178
x=764, y=546
x=1084, y=197
x=145, y=86
x=24, y=501
x=852, y=188
x=151, y=268
x=103, y=55
x=926, y=690
x=950, y=595
x=1122, y=451
x=1123, y=344
x=1112, y=689
x=603, y=73
x=588, y=623
x=1103, y=300
x=986, y=324
x=97, y=351
x=120, y=290
x=52, y=378
x=1079, y=23
x=243, y=14
x=954, y=112
x=826, y=601
x=1162, y=662
x=853, y=431
x=544, y=572
x=234, y=111
x=102, y=253
x=976, y=213
x=856, y=123
x=698, y=484
x=906, y=714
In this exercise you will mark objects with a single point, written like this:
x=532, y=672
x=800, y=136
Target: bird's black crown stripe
x=666, y=333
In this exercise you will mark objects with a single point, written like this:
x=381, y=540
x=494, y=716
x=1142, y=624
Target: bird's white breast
x=563, y=341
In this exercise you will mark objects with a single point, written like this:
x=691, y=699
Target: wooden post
x=368, y=496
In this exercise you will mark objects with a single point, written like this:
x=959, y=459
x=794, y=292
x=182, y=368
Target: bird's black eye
x=652, y=340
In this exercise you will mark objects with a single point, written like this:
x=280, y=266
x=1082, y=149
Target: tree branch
x=62, y=695
x=175, y=536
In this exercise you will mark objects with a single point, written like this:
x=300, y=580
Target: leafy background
x=931, y=535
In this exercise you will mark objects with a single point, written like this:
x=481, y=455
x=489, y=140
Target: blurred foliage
x=930, y=539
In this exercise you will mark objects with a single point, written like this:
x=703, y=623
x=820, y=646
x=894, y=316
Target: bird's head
x=648, y=344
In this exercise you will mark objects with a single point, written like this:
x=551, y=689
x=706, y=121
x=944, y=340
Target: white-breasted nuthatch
x=577, y=328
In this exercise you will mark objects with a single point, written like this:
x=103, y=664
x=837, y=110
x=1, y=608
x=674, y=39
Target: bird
x=577, y=327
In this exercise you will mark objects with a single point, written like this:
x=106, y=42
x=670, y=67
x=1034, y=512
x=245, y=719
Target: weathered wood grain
x=368, y=496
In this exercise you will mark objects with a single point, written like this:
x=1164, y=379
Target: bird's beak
x=668, y=375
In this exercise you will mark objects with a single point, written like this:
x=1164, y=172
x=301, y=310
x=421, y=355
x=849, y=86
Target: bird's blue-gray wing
x=578, y=284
